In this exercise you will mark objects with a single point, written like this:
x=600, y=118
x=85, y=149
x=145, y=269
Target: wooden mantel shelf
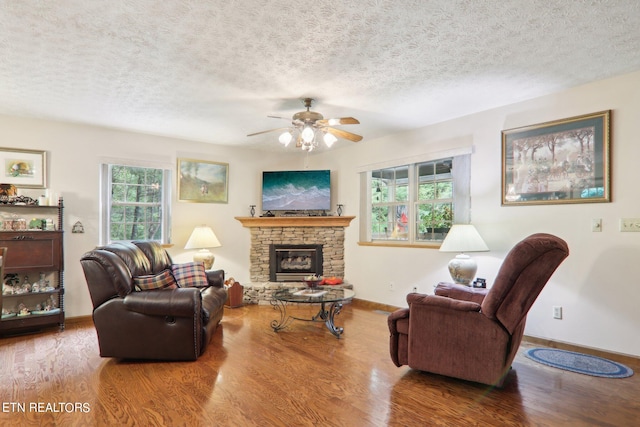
x=295, y=221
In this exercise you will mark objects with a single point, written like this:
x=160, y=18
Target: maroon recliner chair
x=474, y=334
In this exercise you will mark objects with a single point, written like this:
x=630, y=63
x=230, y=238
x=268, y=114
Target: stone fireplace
x=288, y=263
x=325, y=232
x=331, y=239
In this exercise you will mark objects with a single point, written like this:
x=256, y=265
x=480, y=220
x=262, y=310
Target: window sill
x=434, y=245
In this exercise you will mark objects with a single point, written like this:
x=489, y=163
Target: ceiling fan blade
x=339, y=133
x=280, y=117
x=267, y=131
x=338, y=121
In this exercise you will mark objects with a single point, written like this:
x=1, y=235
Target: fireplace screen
x=294, y=262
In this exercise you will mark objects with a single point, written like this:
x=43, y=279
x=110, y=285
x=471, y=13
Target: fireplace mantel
x=295, y=221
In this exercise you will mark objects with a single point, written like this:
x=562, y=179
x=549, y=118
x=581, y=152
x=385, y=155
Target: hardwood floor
x=301, y=376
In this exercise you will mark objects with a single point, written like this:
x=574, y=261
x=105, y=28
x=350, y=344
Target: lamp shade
x=202, y=237
x=463, y=238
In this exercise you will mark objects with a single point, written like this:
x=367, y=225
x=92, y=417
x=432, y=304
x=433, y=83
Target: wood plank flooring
x=300, y=376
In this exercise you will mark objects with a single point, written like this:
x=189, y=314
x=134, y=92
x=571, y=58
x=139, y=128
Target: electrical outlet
x=415, y=289
x=596, y=224
x=557, y=312
x=392, y=286
x=630, y=224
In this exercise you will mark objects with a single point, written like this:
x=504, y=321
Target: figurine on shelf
x=26, y=286
x=7, y=287
x=11, y=282
x=23, y=310
x=41, y=284
x=8, y=190
x=54, y=302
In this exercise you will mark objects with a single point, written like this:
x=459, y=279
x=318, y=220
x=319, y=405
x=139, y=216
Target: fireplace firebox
x=292, y=263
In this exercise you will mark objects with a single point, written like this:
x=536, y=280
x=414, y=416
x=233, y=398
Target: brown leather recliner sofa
x=474, y=334
x=162, y=324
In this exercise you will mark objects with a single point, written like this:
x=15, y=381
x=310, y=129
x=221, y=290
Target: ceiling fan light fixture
x=285, y=138
x=307, y=127
x=329, y=139
x=308, y=134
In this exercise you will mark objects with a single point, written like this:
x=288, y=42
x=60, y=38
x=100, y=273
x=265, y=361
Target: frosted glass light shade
x=285, y=138
x=307, y=134
x=329, y=139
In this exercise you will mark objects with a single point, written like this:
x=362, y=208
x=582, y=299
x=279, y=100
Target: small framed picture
x=201, y=181
x=564, y=161
x=23, y=168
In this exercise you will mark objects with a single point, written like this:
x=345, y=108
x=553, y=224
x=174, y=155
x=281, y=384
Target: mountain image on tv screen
x=296, y=190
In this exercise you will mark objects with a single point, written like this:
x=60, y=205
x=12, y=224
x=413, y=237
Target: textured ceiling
x=213, y=70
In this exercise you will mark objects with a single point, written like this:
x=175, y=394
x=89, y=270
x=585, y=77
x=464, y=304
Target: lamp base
x=463, y=269
x=205, y=256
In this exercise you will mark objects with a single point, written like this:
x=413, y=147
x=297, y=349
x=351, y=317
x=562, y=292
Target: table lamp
x=202, y=238
x=463, y=238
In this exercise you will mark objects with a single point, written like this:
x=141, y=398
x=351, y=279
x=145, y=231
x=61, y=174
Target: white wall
x=596, y=285
x=74, y=155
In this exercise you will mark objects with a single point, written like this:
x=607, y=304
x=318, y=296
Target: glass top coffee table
x=323, y=295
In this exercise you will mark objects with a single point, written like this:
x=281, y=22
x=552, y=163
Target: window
x=415, y=203
x=135, y=203
x=390, y=203
x=434, y=204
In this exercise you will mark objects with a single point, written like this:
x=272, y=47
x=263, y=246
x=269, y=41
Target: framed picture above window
x=564, y=161
x=200, y=181
x=23, y=168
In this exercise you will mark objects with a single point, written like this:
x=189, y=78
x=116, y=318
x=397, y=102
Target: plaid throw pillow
x=190, y=274
x=162, y=280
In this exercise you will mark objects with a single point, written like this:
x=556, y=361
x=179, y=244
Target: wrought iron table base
x=323, y=315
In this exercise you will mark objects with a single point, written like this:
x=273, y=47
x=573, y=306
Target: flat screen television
x=305, y=190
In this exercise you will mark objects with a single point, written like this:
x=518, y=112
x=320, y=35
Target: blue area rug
x=579, y=362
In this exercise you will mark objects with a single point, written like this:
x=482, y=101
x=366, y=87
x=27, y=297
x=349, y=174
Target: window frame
x=435, y=201
x=461, y=200
x=392, y=201
x=106, y=199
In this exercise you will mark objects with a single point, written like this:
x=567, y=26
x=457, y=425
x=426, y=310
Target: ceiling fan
x=308, y=126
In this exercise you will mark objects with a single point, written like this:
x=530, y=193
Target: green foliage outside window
x=435, y=199
x=389, y=197
x=136, y=203
x=432, y=201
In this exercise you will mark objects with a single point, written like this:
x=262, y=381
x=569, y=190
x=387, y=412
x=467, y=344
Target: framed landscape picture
x=564, y=161
x=200, y=181
x=23, y=168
